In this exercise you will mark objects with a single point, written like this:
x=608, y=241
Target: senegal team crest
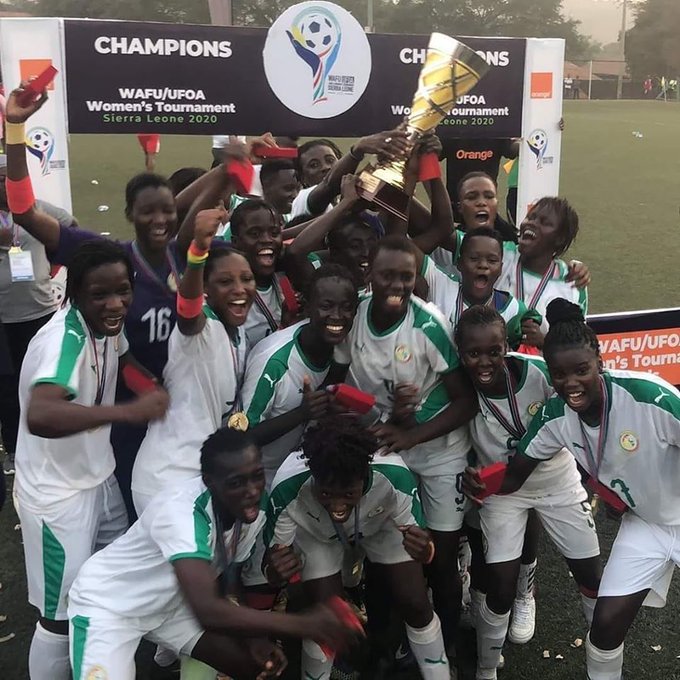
x=534, y=407
x=97, y=673
x=402, y=353
x=629, y=441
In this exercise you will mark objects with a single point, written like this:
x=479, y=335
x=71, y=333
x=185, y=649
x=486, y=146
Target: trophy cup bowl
x=451, y=69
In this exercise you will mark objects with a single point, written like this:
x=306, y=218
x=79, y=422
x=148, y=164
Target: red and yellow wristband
x=196, y=256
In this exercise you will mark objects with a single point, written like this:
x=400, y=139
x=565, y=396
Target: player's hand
x=406, y=400
x=418, y=543
x=531, y=333
x=473, y=486
x=282, y=564
x=268, y=656
x=389, y=145
x=393, y=438
x=267, y=139
x=148, y=406
x=430, y=143
x=348, y=189
x=315, y=402
x=15, y=112
x=322, y=625
x=206, y=225
x=578, y=274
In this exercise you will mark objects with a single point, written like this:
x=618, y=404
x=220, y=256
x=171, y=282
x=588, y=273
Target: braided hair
x=568, y=328
x=339, y=450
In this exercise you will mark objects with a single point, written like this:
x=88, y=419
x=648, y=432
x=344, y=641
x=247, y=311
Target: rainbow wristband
x=20, y=198
x=196, y=257
x=15, y=133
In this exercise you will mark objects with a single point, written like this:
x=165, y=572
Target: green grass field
x=627, y=192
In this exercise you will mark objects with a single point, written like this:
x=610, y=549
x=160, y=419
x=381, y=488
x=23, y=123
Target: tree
x=652, y=45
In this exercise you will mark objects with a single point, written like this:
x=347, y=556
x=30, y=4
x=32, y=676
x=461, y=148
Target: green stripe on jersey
x=280, y=498
x=583, y=300
x=72, y=344
x=435, y=402
x=648, y=392
x=54, y=559
x=402, y=480
x=551, y=410
x=78, y=640
x=209, y=313
x=436, y=333
x=202, y=524
x=275, y=368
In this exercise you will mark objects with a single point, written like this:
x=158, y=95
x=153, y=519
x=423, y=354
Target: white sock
x=525, y=582
x=427, y=645
x=588, y=604
x=315, y=664
x=48, y=657
x=603, y=664
x=491, y=631
x=477, y=598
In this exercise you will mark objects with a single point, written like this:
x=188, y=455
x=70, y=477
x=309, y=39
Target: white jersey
x=417, y=350
x=65, y=352
x=202, y=377
x=524, y=284
x=446, y=292
x=446, y=259
x=300, y=205
x=134, y=576
x=273, y=386
x=390, y=498
x=264, y=316
x=493, y=443
x=641, y=452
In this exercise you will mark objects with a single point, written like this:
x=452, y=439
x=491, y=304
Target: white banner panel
x=539, y=159
x=27, y=47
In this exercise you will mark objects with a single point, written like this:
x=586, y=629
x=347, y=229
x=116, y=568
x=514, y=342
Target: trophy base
x=382, y=194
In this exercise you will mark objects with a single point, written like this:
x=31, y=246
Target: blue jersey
x=152, y=314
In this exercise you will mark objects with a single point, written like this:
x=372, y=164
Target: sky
x=601, y=19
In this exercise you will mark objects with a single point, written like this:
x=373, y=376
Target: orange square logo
x=541, y=85
x=32, y=68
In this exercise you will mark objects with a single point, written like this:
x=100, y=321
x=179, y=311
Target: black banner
x=129, y=77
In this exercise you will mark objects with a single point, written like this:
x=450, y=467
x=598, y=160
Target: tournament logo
x=317, y=59
x=402, y=353
x=538, y=143
x=629, y=441
x=40, y=143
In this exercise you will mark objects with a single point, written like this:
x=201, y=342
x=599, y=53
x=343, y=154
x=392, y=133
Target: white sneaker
x=523, y=622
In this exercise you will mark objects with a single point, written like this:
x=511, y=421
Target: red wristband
x=195, y=250
x=189, y=309
x=429, y=167
x=20, y=198
x=136, y=381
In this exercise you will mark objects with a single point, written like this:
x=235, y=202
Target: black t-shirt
x=470, y=155
x=6, y=367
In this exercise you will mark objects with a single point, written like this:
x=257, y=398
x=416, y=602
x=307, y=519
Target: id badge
x=21, y=265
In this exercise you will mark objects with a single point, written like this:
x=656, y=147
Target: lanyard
x=226, y=554
x=238, y=374
x=274, y=325
x=141, y=263
x=342, y=534
x=516, y=429
x=542, y=284
x=595, y=459
x=460, y=304
x=100, y=372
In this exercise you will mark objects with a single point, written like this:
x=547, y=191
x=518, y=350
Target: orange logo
x=31, y=68
x=541, y=85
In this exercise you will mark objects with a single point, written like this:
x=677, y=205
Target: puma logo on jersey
x=376, y=511
x=318, y=519
x=429, y=324
x=437, y=662
x=269, y=379
x=578, y=446
x=662, y=394
x=309, y=676
x=276, y=508
x=80, y=337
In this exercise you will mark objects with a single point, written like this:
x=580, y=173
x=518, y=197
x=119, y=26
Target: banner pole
x=590, y=79
x=221, y=12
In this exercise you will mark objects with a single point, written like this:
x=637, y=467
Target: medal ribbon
x=101, y=373
x=542, y=284
x=141, y=263
x=516, y=429
x=274, y=325
x=342, y=534
x=602, y=435
x=460, y=305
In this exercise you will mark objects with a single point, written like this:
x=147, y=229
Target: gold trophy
x=451, y=69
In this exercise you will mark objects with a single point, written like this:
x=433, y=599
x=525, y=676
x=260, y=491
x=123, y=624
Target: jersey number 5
x=160, y=323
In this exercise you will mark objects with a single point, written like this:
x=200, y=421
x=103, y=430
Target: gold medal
x=238, y=421
x=172, y=282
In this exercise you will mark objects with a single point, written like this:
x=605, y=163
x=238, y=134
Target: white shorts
x=103, y=645
x=325, y=559
x=642, y=557
x=59, y=538
x=441, y=489
x=566, y=516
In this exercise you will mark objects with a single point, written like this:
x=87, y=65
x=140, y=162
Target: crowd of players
x=191, y=470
